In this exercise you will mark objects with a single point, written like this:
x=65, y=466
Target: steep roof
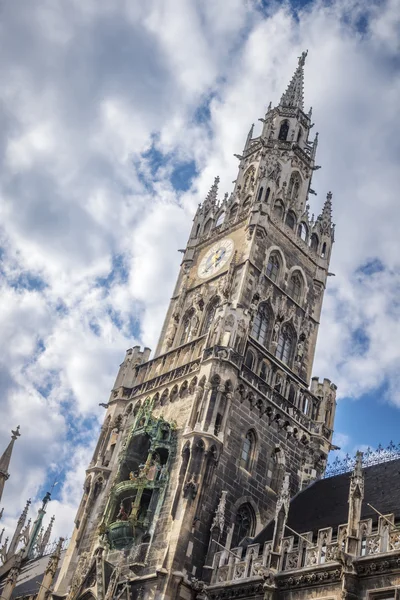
x=325, y=502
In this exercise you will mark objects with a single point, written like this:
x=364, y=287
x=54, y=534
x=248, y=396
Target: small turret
x=46, y=537
x=356, y=495
x=18, y=530
x=5, y=460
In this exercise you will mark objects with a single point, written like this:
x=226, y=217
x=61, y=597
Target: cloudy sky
x=115, y=117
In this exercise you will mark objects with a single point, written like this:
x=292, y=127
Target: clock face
x=215, y=258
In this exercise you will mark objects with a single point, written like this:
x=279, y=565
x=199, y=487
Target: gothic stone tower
x=197, y=441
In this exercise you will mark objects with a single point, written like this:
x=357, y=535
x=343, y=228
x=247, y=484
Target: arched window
x=278, y=209
x=294, y=186
x=233, y=212
x=267, y=193
x=323, y=251
x=247, y=453
x=197, y=230
x=207, y=227
x=186, y=334
x=302, y=231
x=299, y=134
x=264, y=371
x=220, y=219
x=283, y=131
x=260, y=193
x=273, y=267
x=278, y=383
x=292, y=393
x=291, y=219
x=295, y=287
x=314, y=242
x=261, y=325
x=249, y=360
x=244, y=524
x=284, y=348
x=210, y=314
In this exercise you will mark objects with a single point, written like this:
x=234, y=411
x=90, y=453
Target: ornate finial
x=269, y=106
x=310, y=113
x=15, y=433
x=302, y=58
x=211, y=197
x=329, y=196
x=1, y=513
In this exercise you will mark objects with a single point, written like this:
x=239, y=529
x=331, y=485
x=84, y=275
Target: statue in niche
x=122, y=514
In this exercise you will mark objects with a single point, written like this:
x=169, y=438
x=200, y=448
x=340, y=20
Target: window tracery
x=244, y=524
x=273, y=267
x=295, y=287
x=261, y=325
x=284, y=349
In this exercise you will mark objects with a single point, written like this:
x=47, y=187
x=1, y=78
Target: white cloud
x=89, y=90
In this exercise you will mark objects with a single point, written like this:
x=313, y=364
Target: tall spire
x=5, y=460
x=327, y=209
x=293, y=97
x=31, y=547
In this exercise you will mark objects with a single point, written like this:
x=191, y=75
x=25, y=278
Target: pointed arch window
x=248, y=447
x=267, y=193
x=314, y=242
x=260, y=194
x=261, y=325
x=323, y=251
x=264, y=371
x=283, y=131
x=207, y=227
x=291, y=219
x=187, y=329
x=284, y=348
x=302, y=231
x=273, y=267
x=244, y=524
x=299, y=135
x=278, y=209
x=249, y=360
x=295, y=287
x=210, y=314
x=220, y=219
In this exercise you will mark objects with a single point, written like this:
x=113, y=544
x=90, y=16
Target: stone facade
x=198, y=441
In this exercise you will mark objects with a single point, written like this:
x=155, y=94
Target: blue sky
x=116, y=117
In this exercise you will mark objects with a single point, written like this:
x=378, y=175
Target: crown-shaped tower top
x=294, y=94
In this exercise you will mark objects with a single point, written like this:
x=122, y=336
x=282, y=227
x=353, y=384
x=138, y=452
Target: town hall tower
x=198, y=441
